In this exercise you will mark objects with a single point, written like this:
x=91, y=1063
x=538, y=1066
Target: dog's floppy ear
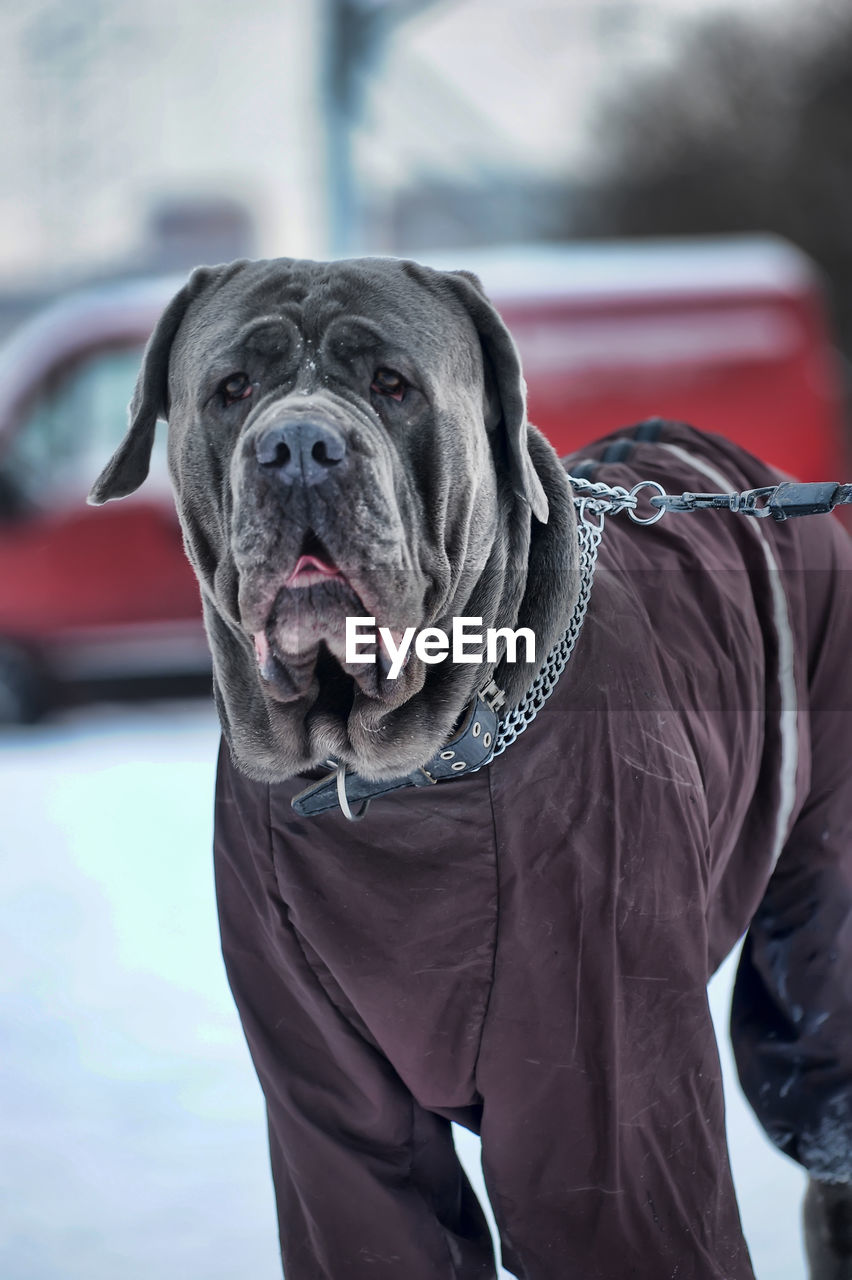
x=503, y=365
x=128, y=466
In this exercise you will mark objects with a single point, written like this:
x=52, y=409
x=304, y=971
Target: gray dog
x=522, y=948
x=286, y=377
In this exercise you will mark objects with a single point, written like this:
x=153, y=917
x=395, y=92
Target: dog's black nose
x=301, y=452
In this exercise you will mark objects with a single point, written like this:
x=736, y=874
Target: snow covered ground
x=132, y=1134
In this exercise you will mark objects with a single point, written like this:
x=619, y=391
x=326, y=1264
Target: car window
x=73, y=424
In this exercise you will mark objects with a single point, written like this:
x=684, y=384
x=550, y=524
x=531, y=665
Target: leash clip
x=695, y=501
x=754, y=502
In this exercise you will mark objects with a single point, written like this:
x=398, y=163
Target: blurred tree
x=750, y=130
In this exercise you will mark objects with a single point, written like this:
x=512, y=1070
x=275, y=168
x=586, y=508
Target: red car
x=86, y=594
x=728, y=334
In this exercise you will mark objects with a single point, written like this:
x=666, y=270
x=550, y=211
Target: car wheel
x=23, y=689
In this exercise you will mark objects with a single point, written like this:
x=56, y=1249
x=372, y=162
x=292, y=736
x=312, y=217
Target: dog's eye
x=236, y=387
x=386, y=382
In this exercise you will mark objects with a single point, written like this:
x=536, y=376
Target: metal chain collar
x=597, y=500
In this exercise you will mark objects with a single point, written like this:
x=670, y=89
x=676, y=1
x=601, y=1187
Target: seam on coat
x=486, y=1010
x=786, y=676
x=313, y=961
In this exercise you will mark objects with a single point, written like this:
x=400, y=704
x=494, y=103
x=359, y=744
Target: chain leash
x=594, y=501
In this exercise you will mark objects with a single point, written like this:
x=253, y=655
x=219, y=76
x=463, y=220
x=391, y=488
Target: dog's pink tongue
x=309, y=568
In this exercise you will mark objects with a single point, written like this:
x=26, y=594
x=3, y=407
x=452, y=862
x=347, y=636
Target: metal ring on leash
x=658, y=514
x=343, y=799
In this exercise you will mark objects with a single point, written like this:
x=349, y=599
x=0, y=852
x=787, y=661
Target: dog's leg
x=828, y=1230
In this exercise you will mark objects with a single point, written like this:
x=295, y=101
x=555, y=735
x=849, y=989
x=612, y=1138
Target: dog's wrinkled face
x=345, y=440
x=327, y=415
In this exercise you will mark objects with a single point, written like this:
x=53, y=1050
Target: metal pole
x=356, y=32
